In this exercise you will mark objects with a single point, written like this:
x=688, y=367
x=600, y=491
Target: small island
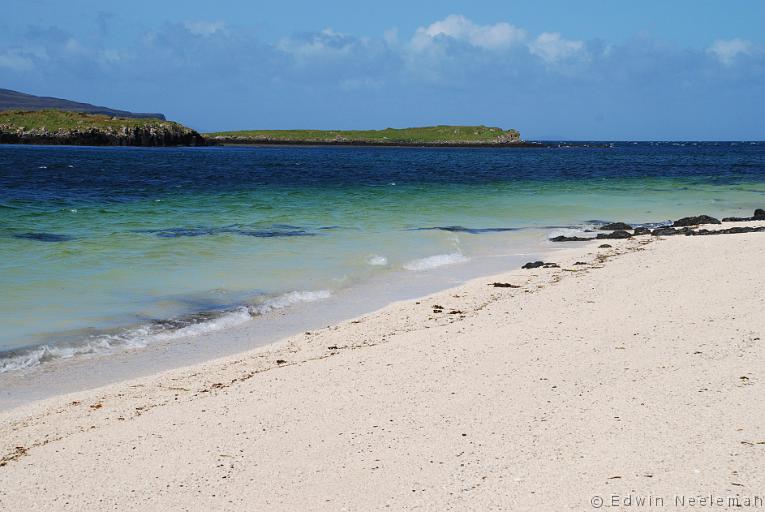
x=58, y=127
x=100, y=126
x=427, y=136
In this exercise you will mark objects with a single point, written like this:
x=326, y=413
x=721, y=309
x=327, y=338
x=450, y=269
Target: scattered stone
x=604, y=246
x=615, y=226
x=615, y=235
x=562, y=238
x=580, y=263
x=280, y=361
x=504, y=285
x=641, y=231
x=695, y=221
x=537, y=264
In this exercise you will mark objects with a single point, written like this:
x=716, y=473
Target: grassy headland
x=78, y=128
x=427, y=135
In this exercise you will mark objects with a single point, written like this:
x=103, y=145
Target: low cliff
x=80, y=129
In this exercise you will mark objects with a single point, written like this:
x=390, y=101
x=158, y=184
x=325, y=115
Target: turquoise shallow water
x=101, y=248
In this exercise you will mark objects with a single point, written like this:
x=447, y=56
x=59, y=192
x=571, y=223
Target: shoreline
x=443, y=406
x=103, y=367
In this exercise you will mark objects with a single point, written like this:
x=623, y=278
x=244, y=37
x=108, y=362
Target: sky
x=587, y=70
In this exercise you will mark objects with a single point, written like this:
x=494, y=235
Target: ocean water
x=103, y=249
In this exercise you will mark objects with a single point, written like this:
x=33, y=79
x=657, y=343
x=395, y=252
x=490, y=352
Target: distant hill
x=14, y=100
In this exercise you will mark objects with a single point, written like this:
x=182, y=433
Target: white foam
x=377, y=261
x=133, y=338
x=439, y=260
x=142, y=336
x=288, y=299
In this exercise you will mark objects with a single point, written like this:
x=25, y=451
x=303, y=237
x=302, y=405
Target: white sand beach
x=638, y=373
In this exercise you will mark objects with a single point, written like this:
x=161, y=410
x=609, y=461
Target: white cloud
x=726, y=51
x=204, y=28
x=551, y=47
x=499, y=35
x=390, y=36
x=15, y=61
x=327, y=43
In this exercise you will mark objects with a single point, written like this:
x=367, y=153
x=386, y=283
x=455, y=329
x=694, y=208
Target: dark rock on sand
x=614, y=226
x=504, y=285
x=641, y=231
x=537, y=264
x=614, y=236
x=562, y=238
x=665, y=232
x=695, y=221
x=604, y=246
x=759, y=214
x=728, y=231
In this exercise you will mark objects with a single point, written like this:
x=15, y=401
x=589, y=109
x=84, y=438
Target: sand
x=637, y=374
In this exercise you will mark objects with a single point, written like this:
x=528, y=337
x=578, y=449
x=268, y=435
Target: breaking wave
x=154, y=332
x=439, y=260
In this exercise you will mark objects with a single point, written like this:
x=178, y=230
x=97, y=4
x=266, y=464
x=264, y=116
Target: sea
x=108, y=252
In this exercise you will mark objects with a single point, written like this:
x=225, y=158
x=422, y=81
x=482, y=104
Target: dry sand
x=637, y=374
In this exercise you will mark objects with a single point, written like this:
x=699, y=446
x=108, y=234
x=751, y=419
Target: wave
x=289, y=299
x=439, y=260
x=154, y=332
x=377, y=261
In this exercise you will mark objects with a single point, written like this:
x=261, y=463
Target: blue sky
x=552, y=69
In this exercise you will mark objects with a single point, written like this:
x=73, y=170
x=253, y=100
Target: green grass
x=427, y=134
x=54, y=120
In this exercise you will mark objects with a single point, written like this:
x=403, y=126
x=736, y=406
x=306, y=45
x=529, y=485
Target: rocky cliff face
x=161, y=134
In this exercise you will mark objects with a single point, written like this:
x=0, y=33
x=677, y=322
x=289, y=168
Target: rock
x=615, y=235
x=620, y=226
x=604, y=246
x=695, y=221
x=580, y=263
x=537, y=264
x=665, y=232
x=641, y=231
x=728, y=231
x=570, y=239
x=504, y=285
x=759, y=214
